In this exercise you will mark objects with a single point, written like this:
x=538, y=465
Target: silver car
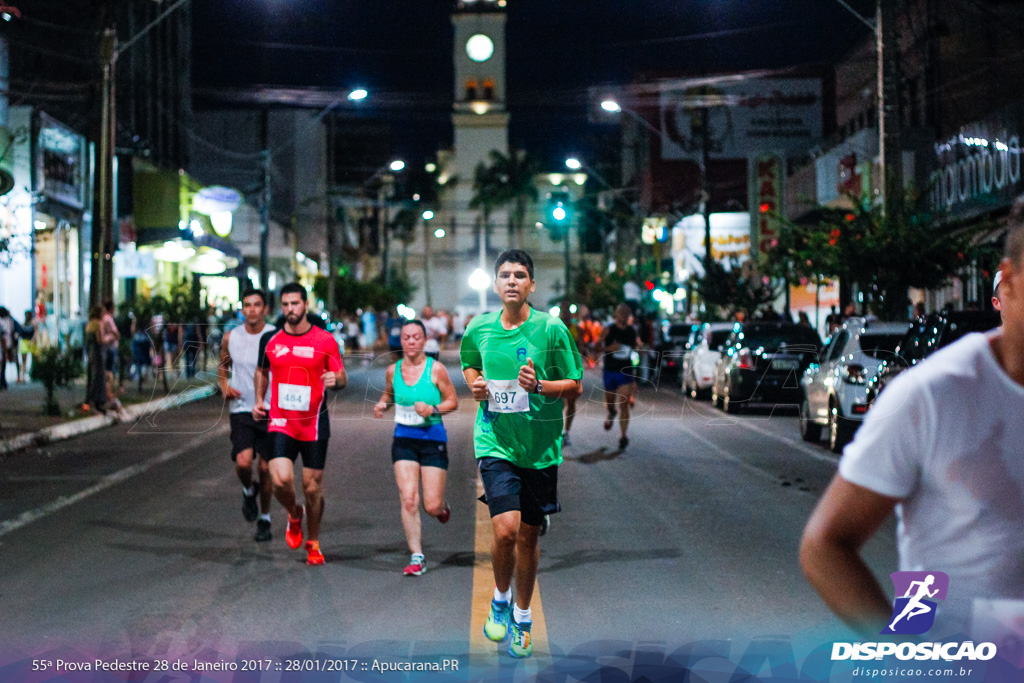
x=699, y=363
x=835, y=387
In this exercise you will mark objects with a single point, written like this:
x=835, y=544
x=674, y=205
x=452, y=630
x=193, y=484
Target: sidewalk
x=23, y=424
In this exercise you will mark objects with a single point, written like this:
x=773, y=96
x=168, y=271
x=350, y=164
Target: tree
x=726, y=292
x=506, y=180
x=884, y=253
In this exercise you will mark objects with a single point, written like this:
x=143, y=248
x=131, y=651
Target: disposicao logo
x=913, y=611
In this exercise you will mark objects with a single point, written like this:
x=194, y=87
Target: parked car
x=700, y=360
x=672, y=343
x=835, y=386
x=762, y=362
x=926, y=336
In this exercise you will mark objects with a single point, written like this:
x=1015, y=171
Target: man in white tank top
x=239, y=352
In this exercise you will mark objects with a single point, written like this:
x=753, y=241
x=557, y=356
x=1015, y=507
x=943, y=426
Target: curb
x=90, y=424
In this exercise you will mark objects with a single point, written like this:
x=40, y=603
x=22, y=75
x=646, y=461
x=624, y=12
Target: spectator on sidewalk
x=110, y=337
x=26, y=345
x=6, y=344
x=142, y=349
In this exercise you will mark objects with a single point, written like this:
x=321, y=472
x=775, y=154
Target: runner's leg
x=243, y=467
x=266, y=487
x=527, y=559
x=434, y=479
x=503, y=547
x=282, y=474
x=407, y=476
x=312, y=488
x=570, y=413
x=626, y=392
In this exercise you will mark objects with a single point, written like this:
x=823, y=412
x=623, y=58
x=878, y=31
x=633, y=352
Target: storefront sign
x=767, y=175
x=783, y=114
x=60, y=162
x=216, y=199
x=129, y=264
x=730, y=240
x=654, y=230
x=978, y=170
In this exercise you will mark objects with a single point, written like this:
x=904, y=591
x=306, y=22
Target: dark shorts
x=507, y=487
x=247, y=433
x=426, y=452
x=109, y=359
x=614, y=380
x=314, y=453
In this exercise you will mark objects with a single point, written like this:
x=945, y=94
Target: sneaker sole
x=495, y=640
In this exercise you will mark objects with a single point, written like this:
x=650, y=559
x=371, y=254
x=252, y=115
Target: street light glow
x=358, y=94
x=611, y=105
x=558, y=213
x=439, y=233
x=397, y=165
x=573, y=163
x=479, y=280
x=428, y=214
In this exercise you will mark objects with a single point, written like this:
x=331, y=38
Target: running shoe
x=249, y=508
x=520, y=645
x=293, y=534
x=416, y=567
x=623, y=442
x=496, y=626
x=610, y=420
x=262, y=531
x=445, y=515
x=313, y=554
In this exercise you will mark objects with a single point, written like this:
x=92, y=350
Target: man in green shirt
x=519, y=363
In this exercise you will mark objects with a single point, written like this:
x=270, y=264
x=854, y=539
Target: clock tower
x=479, y=116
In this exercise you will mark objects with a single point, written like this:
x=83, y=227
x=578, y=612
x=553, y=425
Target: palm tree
x=507, y=180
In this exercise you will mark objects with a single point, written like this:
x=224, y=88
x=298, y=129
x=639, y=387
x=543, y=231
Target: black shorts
x=507, y=487
x=426, y=452
x=247, y=433
x=314, y=453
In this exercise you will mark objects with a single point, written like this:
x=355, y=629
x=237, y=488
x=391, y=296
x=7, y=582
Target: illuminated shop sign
x=60, y=167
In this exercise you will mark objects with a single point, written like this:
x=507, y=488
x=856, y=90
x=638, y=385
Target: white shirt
x=947, y=438
x=436, y=327
x=244, y=349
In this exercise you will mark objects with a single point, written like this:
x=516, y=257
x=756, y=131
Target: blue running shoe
x=520, y=645
x=496, y=626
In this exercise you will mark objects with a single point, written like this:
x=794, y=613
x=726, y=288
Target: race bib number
x=407, y=415
x=622, y=353
x=506, y=396
x=293, y=397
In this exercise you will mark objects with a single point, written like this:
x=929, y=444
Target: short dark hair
x=514, y=256
x=419, y=322
x=252, y=291
x=108, y=305
x=294, y=288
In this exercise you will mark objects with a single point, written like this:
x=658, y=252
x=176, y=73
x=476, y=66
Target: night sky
x=556, y=50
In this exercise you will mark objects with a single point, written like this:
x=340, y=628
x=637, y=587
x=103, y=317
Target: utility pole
x=265, y=206
x=383, y=197
x=332, y=269
x=705, y=188
x=890, y=144
x=101, y=285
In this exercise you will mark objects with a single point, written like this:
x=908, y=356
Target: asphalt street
x=129, y=543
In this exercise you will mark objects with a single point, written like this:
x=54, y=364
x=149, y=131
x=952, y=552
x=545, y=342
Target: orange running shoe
x=293, y=534
x=313, y=554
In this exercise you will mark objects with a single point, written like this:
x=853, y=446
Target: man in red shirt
x=298, y=363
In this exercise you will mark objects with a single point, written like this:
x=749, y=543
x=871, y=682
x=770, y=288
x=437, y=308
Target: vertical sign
x=767, y=176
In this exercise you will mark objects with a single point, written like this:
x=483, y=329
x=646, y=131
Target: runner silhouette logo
x=913, y=610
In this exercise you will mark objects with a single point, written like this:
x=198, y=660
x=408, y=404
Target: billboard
x=744, y=117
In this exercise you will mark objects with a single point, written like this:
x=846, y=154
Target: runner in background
x=298, y=364
x=618, y=342
x=239, y=355
x=421, y=391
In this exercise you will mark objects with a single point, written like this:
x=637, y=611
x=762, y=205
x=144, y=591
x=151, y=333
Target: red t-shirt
x=297, y=398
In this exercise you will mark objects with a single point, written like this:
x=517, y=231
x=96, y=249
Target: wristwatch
x=436, y=411
x=539, y=388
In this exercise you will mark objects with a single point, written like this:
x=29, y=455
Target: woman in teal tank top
x=421, y=392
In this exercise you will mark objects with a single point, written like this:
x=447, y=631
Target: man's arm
x=335, y=379
x=845, y=518
x=477, y=383
x=224, y=370
x=261, y=379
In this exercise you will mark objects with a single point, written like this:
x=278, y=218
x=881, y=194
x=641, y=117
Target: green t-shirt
x=533, y=438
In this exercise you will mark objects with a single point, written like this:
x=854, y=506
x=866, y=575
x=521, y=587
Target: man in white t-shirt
x=941, y=446
x=437, y=329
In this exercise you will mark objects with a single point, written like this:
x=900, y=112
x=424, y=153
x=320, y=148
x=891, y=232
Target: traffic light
x=559, y=214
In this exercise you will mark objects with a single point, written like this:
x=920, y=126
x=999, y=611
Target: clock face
x=479, y=48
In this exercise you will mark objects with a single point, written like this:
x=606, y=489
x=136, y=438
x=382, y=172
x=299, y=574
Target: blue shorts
x=614, y=380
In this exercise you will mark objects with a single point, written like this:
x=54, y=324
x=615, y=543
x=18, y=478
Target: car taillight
x=854, y=374
x=745, y=359
x=860, y=408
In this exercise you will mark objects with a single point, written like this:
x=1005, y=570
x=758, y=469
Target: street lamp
x=480, y=281
x=357, y=94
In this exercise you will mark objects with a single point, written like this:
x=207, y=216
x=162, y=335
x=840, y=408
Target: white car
x=700, y=361
x=835, y=388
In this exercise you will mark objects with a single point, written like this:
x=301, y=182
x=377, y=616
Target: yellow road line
x=480, y=648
